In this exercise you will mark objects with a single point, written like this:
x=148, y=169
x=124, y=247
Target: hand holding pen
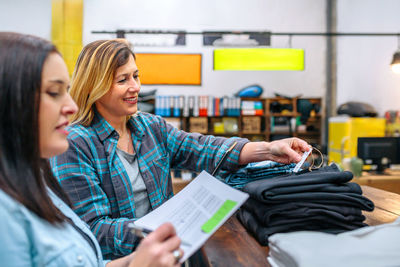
x=142, y=232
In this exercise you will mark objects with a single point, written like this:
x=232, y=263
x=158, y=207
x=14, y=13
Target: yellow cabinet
x=344, y=132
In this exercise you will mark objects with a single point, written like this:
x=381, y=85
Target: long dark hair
x=24, y=175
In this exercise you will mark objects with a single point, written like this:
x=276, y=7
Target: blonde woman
x=117, y=167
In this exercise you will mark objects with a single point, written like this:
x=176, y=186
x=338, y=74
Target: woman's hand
x=287, y=150
x=157, y=249
x=283, y=151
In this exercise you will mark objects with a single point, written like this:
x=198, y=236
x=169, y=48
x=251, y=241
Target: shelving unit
x=281, y=118
x=298, y=124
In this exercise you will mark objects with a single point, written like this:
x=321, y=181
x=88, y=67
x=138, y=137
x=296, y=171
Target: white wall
x=363, y=62
x=26, y=16
x=194, y=15
x=363, y=71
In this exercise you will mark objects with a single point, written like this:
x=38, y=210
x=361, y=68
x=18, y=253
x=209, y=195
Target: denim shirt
x=28, y=240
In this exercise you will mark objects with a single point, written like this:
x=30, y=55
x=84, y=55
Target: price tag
x=301, y=162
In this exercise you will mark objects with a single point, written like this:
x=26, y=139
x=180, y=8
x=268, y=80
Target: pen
x=223, y=158
x=142, y=232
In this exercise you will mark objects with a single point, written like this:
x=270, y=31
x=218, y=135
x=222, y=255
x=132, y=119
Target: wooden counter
x=390, y=181
x=232, y=246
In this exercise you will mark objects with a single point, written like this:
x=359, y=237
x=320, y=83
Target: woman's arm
x=283, y=151
x=199, y=152
x=203, y=152
x=83, y=181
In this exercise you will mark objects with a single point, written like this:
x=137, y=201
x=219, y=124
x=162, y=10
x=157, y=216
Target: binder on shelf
x=210, y=106
x=157, y=105
x=167, y=107
x=185, y=106
x=191, y=106
x=221, y=106
x=196, y=106
x=230, y=107
x=237, y=106
x=203, y=102
x=216, y=106
x=163, y=105
x=224, y=106
x=177, y=111
x=181, y=104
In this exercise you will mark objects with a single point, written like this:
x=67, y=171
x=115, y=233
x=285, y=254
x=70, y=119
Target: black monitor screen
x=379, y=151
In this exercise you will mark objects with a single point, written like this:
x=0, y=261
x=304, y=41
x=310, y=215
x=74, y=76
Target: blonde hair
x=94, y=73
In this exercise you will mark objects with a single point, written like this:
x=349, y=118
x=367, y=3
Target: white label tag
x=301, y=162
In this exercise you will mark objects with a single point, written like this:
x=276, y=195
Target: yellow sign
x=259, y=59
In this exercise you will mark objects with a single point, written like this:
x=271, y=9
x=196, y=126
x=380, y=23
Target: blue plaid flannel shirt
x=95, y=180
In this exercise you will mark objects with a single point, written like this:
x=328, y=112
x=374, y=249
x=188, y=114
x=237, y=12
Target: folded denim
x=256, y=171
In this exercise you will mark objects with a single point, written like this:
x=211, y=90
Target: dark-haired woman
x=37, y=227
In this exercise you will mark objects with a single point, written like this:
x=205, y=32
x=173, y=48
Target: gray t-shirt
x=140, y=196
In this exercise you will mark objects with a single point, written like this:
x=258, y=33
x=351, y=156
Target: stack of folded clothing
x=319, y=200
x=369, y=246
x=256, y=171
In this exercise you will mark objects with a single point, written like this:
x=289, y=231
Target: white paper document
x=197, y=211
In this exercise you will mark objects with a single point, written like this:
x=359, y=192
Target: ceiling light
x=395, y=65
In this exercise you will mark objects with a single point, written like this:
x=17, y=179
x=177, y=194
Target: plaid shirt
x=94, y=178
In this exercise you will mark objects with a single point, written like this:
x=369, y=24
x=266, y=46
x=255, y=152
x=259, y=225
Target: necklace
x=125, y=141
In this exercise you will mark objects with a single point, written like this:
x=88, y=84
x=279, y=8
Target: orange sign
x=184, y=69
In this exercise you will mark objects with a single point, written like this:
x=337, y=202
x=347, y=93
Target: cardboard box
x=251, y=125
x=198, y=125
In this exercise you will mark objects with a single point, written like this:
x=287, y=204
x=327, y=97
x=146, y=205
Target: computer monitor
x=379, y=151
